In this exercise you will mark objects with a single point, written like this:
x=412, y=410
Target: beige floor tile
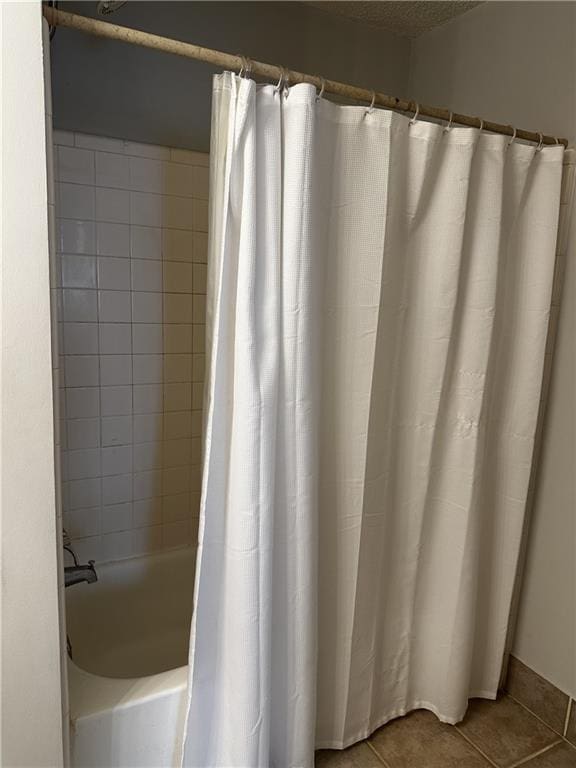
x=420, y=740
x=536, y=693
x=560, y=756
x=358, y=756
x=504, y=731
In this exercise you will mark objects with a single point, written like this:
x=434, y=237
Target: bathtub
x=128, y=673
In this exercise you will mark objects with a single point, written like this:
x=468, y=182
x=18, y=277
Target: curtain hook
x=248, y=71
x=283, y=80
x=323, y=86
x=370, y=109
x=540, y=143
x=52, y=29
x=481, y=128
x=513, y=135
x=557, y=141
x=448, y=126
x=243, y=67
x=280, y=82
x=413, y=120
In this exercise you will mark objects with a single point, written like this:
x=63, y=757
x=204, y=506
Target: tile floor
x=501, y=734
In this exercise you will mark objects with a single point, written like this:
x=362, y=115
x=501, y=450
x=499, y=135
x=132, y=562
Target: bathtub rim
x=92, y=694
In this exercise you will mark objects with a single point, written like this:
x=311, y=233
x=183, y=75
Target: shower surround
x=131, y=242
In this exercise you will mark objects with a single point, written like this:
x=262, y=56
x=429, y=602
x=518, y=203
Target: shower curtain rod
x=230, y=61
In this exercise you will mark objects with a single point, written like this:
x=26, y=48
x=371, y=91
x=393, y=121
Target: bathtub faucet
x=75, y=574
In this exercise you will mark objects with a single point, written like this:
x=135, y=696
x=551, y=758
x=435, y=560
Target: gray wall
x=114, y=89
x=516, y=63
x=512, y=62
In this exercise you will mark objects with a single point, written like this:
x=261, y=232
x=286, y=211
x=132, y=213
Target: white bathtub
x=129, y=633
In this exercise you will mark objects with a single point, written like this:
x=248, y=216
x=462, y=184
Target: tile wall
x=131, y=242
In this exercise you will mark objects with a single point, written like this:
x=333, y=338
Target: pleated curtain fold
x=379, y=296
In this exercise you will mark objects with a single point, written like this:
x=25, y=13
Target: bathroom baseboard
x=542, y=698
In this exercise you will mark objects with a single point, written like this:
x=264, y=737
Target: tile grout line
x=123, y=153
x=133, y=189
x=99, y=357
x=475, y=747
x=542, y=751
x=132, y=385
x=567, y=718
x=378, y=755
x=527, y=709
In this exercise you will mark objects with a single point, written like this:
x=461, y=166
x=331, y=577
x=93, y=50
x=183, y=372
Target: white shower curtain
x=379, y=296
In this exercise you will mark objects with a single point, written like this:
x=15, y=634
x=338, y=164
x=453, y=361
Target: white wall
x=516, y=63
x=114, y=89
x=131, y=238
x=31, y=683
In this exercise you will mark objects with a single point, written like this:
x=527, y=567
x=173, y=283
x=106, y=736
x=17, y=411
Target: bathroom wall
x=516, y=63
x=131, y=241
x=113, y=89
x=31, y=725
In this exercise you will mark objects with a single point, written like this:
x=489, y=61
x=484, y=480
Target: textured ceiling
x=407, y=18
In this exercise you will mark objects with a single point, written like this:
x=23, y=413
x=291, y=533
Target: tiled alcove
x=131, y=239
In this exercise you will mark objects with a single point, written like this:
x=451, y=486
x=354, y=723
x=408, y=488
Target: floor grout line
x=480, y=752
x=534, y=715
x=378, y=755
x=567, y=718
x=536, y=754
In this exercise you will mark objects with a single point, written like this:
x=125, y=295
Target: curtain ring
x=248, y=68
x=557, y=141
x=323, y=86
x=448, y=125
x=540, y=143
x=513, y=135
x=481, y=128
x=52, y=29
x=281, y=81
x=370, y=109
x=244, y=65
x=413, y=120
